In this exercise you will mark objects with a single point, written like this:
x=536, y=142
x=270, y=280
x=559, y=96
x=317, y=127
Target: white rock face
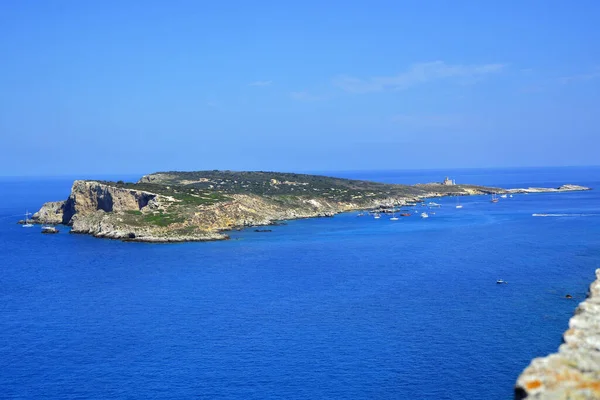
x=50, y=213
x=90, y=196
x=563, y=188
x=573, y=372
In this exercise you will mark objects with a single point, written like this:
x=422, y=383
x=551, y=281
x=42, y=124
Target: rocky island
x=200, y=206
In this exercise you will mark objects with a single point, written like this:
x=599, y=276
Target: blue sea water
x=343, y=307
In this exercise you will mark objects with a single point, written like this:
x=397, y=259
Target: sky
x=118, y=87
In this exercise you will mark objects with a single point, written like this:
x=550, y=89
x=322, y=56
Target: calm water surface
x=344, y=307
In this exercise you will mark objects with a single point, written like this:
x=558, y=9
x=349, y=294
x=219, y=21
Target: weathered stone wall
x=574, y=371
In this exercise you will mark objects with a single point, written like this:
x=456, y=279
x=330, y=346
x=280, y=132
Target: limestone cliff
x=88, y=197
x=51, y=213
x=574, y=371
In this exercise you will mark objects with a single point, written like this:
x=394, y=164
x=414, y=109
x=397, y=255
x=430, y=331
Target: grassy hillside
x=209, y=187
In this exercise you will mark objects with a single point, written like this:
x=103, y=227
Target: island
x=204, y=205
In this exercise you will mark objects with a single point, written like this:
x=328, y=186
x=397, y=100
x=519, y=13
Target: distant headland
x=204, y=205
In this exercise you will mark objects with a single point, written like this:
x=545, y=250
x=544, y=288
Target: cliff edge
x=574, y=371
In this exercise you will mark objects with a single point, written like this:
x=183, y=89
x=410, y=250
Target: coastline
x=517, y=211
x=573, y=372
x=205, y=206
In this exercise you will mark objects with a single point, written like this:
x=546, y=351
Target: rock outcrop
x=51, y=213
x=563, y=188
x=90, y=196
x=574, y=372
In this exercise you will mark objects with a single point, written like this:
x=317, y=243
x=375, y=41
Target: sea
x=348, y=307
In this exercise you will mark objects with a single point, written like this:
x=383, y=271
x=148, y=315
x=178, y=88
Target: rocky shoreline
x=167, y=207
x=563, y=188
x=85, y=216
x=574, y=371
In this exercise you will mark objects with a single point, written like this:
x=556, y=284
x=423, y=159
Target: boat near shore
x=49, y=230
x=458, y=205
x=27, y=223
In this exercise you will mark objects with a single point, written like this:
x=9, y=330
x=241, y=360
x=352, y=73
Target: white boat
x=394, y=218
x=494, y=198
x=432, y=204
x=49, y=229
x=500, y=281
x=503, y=196
x=458, y=205
x=27, y=223
x=377, y=216
x=510, y=196
x=424, y=215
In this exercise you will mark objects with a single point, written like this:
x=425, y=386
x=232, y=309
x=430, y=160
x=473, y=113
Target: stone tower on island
x=448, y=182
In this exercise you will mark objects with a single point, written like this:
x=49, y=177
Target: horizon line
x=308, y=172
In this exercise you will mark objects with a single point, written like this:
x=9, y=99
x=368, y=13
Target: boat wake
x=565, y=215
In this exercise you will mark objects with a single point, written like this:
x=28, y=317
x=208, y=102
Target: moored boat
x=27, y=223
x=49, y=229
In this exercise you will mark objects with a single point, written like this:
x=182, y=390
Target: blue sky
x=141, y=86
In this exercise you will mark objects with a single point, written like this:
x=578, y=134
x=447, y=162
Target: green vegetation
x=203, y=188
x=133, y=212
x=162, y=219
x=200, y=199
x=272, y=184
x=186, y=194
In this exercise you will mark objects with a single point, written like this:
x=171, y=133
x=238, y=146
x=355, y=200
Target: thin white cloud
x=261, y=83
x=417, y=74
x=580, y=77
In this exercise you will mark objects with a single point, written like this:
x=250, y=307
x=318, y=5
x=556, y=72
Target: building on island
x=449, y=182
